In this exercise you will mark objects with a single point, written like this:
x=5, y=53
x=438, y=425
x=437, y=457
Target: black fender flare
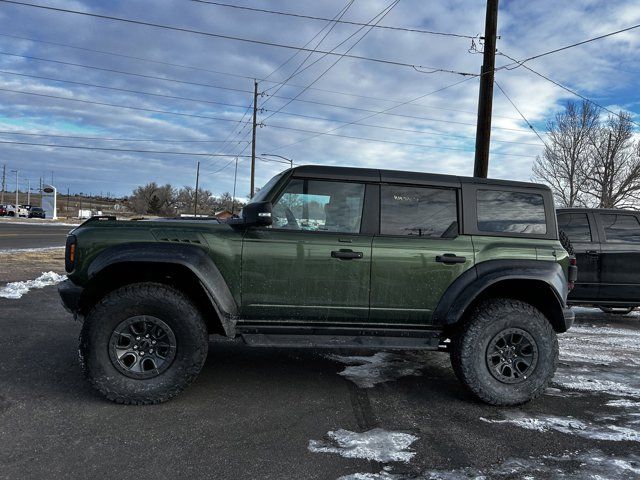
x=192, y=257
x=468, y=286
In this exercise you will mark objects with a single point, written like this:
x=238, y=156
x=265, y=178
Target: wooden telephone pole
x=485, y=101
x=253, y=140
x=195, y=202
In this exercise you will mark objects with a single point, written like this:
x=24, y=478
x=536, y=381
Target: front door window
x=317, y=205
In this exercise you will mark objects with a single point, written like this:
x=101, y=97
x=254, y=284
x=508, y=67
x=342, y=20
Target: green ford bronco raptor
x=330, y=257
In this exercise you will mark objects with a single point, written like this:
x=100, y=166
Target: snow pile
x=10, y=251
x=377, y=444
x=570, y=426
x=368, y=371
x=16, y=290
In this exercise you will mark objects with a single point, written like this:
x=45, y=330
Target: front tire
x=506, y=353
x=143, y=344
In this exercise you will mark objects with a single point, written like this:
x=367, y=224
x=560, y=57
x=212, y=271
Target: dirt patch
x=17, y=266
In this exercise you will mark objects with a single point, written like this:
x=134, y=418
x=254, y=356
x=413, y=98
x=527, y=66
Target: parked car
x=11, y=210
x=329, y=257
x=23, y=211
x=3, y=210
x=606, y=243
x=36, y=212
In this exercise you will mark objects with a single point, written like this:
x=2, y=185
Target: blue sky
x=435, y=133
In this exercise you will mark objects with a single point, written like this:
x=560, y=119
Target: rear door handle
x=450, y=258
x=346, y=254
x=595, y=253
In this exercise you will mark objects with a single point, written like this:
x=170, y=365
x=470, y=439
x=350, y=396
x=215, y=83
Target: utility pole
x=253, y=140
x=4, y=179
x=52, y=178
x=485, y=101
x=28, y=191
x=195, y=203
x=67, y=202
x=16, y=205
x=235, y=178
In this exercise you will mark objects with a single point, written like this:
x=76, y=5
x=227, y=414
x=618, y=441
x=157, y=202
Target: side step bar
x=339, y=338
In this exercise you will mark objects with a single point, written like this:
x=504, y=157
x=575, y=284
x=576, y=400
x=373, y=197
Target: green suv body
x=330, y=257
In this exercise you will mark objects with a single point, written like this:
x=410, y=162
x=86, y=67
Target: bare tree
x=153, y=199
x=561, y=163
x=612, y=172
x=186, y=201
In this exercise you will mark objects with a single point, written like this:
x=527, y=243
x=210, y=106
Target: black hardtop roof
x=400, y=176
x=594, y=210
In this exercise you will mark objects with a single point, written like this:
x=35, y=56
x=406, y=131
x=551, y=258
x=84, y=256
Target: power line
x=383, y=13
x=198, y=100
x=310, y=17
x=519, y=112
x=566, y=47
x=198, y=84
x=107, y=149
x=231, y=37
x=218, y=72
x=126, y=90
x=368, y=139
x=373, y=114
x=91, y=102
x=83, y=137
x=573, y=92
x=339, y=15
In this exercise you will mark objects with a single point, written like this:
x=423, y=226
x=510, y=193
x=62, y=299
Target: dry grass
x=17, y=266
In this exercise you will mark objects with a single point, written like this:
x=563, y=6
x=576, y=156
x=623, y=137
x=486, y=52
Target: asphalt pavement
x=31, y=234
x=306, y=414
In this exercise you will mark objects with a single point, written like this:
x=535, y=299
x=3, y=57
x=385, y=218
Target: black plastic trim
x=190, y=256
x=468, y=286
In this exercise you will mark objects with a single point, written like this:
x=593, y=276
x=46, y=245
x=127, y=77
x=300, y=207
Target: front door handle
x=346, y=254
x=593, y=253
x=450, y=258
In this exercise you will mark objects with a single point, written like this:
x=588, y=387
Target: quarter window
x=621, y=228
x=317, y=205
x=502, y=211
x=576, y=226
x=417, y=211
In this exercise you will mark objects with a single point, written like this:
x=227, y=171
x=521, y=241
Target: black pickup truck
x=606, y=244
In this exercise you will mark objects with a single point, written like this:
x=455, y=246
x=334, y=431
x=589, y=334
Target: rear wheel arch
x=535, y=292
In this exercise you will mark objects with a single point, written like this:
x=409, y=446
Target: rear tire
x=139, y=319
x=506, y=353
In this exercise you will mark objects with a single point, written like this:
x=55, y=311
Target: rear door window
x=621, y=228
x=576, y=226
x=501, y=211
x=418, y=211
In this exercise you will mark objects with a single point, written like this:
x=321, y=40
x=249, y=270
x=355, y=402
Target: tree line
x=165, y=200
x=590, y=161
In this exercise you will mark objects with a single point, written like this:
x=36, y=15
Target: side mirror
x=255, y=214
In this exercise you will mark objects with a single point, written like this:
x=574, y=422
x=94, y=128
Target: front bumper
x=70, y=294
x=569, y=316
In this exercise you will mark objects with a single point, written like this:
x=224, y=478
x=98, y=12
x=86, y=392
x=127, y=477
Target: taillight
x=70, y=253
x=573, y=272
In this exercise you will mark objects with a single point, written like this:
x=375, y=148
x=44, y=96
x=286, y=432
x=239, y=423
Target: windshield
x=262, y=193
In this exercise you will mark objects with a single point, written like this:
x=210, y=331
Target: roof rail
x=99, y=218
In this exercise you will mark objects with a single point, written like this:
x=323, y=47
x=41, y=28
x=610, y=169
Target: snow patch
x=620, y=382
x=368, y=371
x=16, y=290
x=570, y=426
x=623, y=403
x=592, y=465
x=600, y=345
x=377, y=444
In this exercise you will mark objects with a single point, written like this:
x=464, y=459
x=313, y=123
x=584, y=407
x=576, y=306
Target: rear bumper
x=70, y=294
x=569, y=316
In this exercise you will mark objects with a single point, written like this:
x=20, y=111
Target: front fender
x=190, y=256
